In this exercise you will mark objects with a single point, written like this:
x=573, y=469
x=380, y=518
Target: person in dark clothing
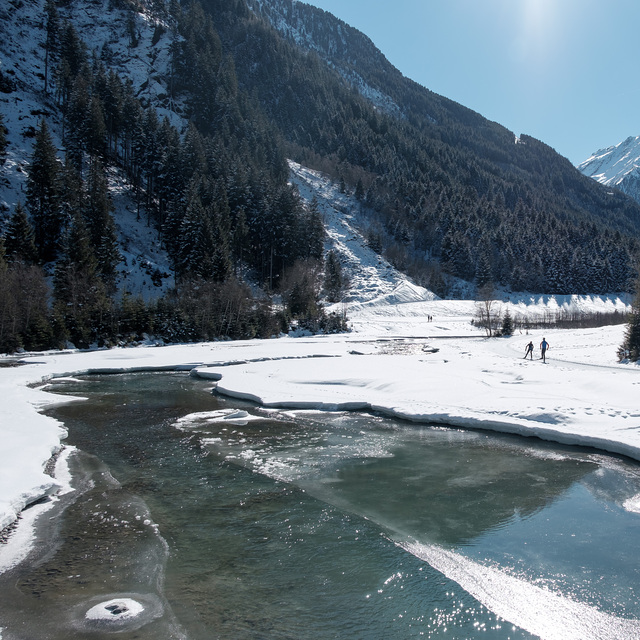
x=544, y=345
x=529, y=351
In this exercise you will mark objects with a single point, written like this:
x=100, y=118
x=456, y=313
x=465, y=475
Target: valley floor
x=396, y=361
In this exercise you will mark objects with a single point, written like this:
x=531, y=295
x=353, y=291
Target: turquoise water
x=229, y=521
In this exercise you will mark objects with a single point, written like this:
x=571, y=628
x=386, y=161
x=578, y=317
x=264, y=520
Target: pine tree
x=239, y=236
x=631, y=346
x=334, y=280
x=113, y=103
x=101, y=226
x=73, y=57
x=76, y=271
x=3, y=141
x=75, y=121
x=19, y=239
x=314, y=232
x=95, y=129
x=484, y=271
x=51, y=41
x=9, y=339
x=43, y=194
x=507, y=324
x=78, y=291
x=195, y=245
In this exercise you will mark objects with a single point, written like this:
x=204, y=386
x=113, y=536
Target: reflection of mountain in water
x=445, y=491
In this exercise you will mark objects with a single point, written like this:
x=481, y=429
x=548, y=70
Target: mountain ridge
x=616, y=166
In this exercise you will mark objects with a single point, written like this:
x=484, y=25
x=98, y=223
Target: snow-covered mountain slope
x=371, y=277
x=383, y=300
x=617, y=166
x=343, y=47
x=144, y=269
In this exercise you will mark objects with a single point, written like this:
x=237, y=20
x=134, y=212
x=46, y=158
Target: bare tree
x=487, y=309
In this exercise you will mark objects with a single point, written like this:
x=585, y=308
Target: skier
x=544, y=345
x=529, y=351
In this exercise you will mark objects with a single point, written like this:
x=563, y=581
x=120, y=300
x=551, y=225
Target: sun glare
x=538, y=30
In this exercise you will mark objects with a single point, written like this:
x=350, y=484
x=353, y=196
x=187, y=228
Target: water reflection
x=442, y=486
x=304, y=525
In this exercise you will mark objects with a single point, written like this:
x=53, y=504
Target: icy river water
x=199, y=517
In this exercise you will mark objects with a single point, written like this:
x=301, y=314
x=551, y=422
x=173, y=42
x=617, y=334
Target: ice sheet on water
x=632, y=504
x=226, y=416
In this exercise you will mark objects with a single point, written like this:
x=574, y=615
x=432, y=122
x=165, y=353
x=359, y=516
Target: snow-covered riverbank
x=395, y=361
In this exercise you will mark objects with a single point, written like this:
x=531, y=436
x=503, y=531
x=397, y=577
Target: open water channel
x=199, y=517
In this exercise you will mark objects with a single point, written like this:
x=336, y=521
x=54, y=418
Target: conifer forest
x=442, y=193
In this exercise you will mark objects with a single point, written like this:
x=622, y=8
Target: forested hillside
x=217, y=190
x=445, y=183
x=192, y=111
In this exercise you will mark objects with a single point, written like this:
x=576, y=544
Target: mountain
x=617, y=166
x=146, y=183
x=444, y=185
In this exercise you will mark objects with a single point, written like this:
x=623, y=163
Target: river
x=198, y=517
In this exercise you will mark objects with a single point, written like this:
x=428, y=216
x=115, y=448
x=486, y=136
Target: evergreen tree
x=20, y=238
x=313, y=231
x=3, y=141
x=51, y=41
x=169, y=185
x=72, y=191
x=631, y=346
x=78, y=291
x=95, y=130
x=195, y=244
x=301, y=291
x=76, y=271
x=76, y=121
x=113, y=104
x=334, y=280
x=72, y=57
x=484, y=273
x=239, y=236
x=101, y=226
x=220, y=258
x=9, y=338
x=43, y=194
x=507, y=324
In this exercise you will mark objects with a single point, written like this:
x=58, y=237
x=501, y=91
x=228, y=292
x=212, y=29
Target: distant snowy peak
x=615, y=165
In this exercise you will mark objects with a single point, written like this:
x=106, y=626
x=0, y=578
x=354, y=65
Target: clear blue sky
x=564, y=71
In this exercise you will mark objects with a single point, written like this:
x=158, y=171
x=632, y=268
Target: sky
x=562, y=71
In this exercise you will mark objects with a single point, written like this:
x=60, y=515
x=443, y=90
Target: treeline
x=565, y=319
x=629, y=350
x=489, y=316
x=445, y=185
x=218, y=195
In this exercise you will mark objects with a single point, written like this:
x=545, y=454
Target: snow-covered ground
x=397, y=362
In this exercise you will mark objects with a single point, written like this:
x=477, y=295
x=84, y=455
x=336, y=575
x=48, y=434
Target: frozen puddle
x=115, y=610
x=126, y=612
